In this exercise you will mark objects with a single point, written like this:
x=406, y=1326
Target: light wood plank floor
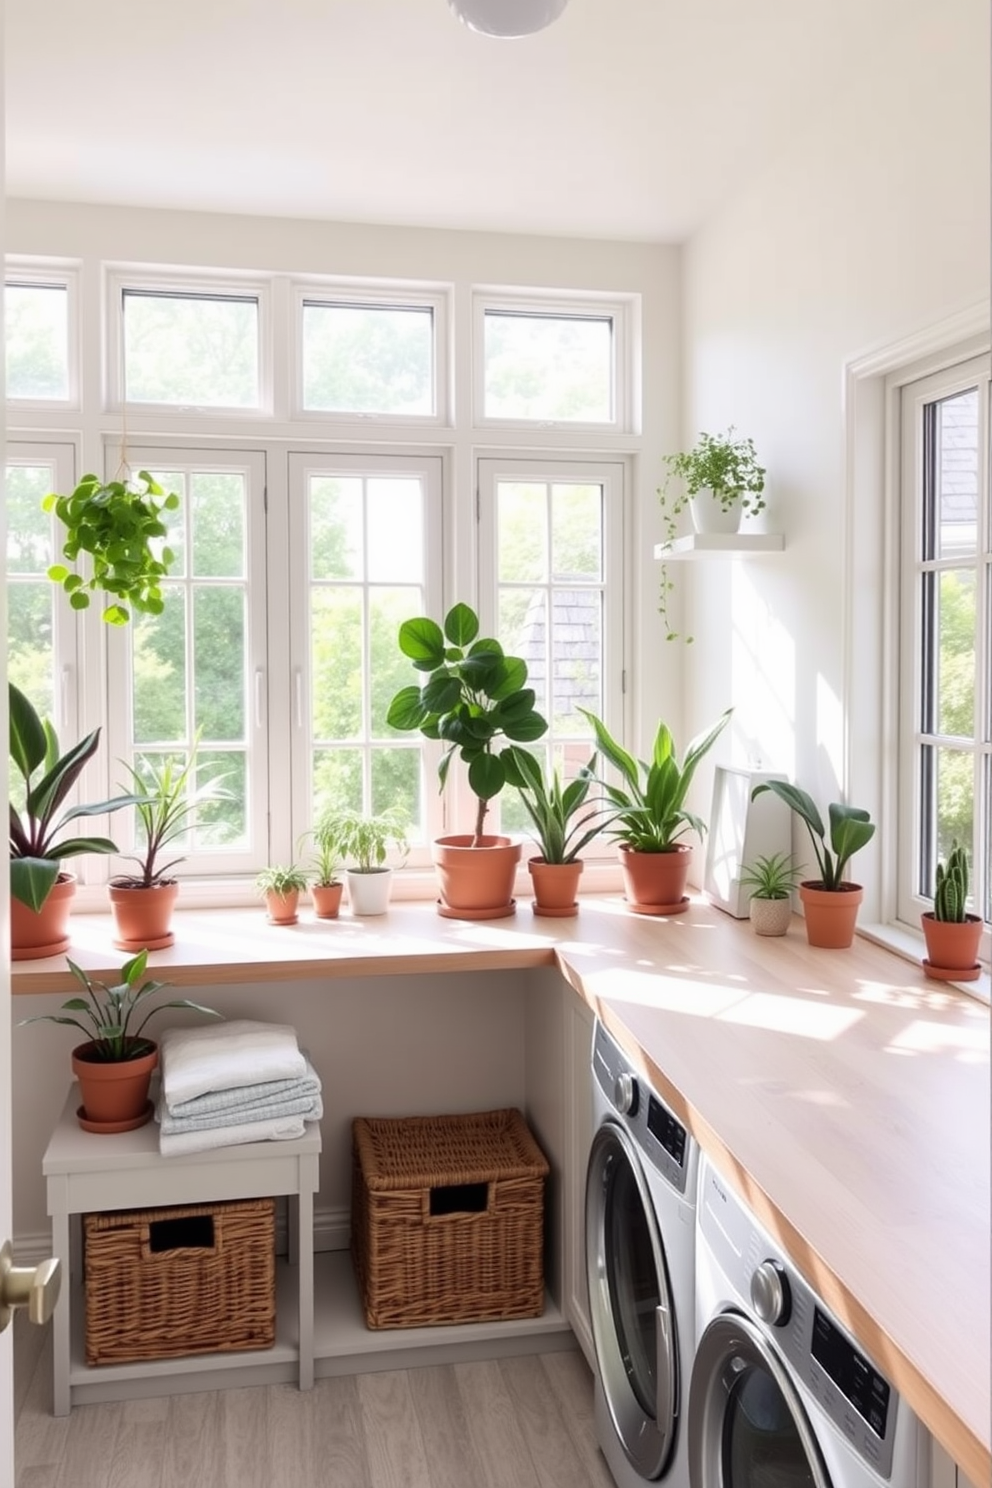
x=511, y=1423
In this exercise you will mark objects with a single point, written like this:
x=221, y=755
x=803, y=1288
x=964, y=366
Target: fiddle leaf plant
x=475, y=700
x=120, y=525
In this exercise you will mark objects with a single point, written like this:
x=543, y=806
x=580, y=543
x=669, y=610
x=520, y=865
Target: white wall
x=872, y=225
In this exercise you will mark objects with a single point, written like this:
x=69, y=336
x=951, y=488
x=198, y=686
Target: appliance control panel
x=823, y=1357
x=656, y=1129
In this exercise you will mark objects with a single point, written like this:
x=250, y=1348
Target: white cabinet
x=578, y=1139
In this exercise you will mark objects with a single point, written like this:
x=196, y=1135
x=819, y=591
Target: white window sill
x=910, y=946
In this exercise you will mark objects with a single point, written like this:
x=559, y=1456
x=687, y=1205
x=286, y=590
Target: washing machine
x=781, y=1396
x=640, y=1228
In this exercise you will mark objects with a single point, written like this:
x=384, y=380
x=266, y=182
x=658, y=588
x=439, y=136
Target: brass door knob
x=34, y=1287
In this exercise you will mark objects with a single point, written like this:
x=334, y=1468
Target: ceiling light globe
x=507, y=18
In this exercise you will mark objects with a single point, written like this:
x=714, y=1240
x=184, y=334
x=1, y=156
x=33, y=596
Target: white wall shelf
x=720, y=545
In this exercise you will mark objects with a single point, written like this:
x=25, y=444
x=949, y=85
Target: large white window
x=301, y=544
x=946, y=633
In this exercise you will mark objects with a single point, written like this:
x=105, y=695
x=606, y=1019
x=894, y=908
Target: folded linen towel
x=277, y=1129
x=216, y=1102
x=305, y=1102
x=223, y=1056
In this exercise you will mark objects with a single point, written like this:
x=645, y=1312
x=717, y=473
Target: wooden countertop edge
x=302, y=961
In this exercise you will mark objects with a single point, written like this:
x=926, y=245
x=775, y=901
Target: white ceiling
x=626, y=119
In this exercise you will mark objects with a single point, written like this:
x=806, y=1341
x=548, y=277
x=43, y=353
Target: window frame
x=617, y=309
x=915, y=394
x=397, y=296
x=59, y=274
x=138, y=280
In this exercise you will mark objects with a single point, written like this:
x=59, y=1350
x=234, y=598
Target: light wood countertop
x=845, y=1094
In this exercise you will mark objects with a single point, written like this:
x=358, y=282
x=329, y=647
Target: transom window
x=186, y=348
x=39, y=323
x=368, y=358
x=550, y=364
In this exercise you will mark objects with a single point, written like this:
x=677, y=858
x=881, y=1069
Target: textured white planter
x=369, y=892
x=708, y=514
x=770, y=916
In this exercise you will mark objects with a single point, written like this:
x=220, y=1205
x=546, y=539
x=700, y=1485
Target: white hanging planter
x=369, y=890
x=710, y=515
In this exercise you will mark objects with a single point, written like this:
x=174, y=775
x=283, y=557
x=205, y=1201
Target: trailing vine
x=120, y=524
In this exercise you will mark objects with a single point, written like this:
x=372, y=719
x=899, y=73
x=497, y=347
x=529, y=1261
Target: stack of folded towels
x=233, y=1082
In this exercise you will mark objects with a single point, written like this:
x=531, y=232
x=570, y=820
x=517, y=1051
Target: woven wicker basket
x=447, y=1219
x=193, y=1280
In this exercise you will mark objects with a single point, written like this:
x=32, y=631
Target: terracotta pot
x=114, y=1092
x=555, y=886
x=654, y=882
x=327, y=899
x=770, y=916
x=369, y=890
x=45, y=932
x=143, y=917
x=831, y=914
x=476, y=882
x=282, y=908
x=952, y=945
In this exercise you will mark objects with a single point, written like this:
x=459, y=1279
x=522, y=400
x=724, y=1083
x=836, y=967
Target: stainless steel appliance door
x=747, y=1425
x=633, y=1323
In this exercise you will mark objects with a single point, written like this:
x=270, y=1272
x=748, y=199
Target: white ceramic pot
x=770, y=916
x=369, y=892
x=708, y=514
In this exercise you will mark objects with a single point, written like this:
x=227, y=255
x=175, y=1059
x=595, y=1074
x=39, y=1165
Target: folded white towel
x=278, y=1129
x=217, y=1102
x=223, y=1056
x=294, y=1098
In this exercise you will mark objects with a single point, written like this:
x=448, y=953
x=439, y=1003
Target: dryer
x=640, y=1226
x=781, y=1395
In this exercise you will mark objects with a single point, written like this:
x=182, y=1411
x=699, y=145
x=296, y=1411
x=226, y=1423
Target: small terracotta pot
x=327, y=899
x=115, y=1092
x=654, y=882
x=44, y=932
x=831, y=914
x=476, y=882
x=555, y=886
x=770, y=916
x=952, y=945
x=282, y=908
x=143, y=917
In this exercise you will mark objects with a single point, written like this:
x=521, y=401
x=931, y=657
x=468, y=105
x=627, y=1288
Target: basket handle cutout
x=459, y=1198
x=189, y=1232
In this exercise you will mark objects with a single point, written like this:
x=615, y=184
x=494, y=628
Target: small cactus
x=951, y=891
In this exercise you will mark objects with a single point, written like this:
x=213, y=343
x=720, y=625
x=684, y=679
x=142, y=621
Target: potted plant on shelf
x=649, y=815
x=772, y=881
x=119, y=525
x=114, y=1066
x=476, y=702
x=170, y=797
x=560, y=832
x=364, y=842
x=952, y=935
x=41, y=892
x=281, y=889
x=326, y=884
x=721, y=482
x=830, y=902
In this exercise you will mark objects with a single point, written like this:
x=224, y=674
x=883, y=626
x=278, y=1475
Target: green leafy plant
x=282, y=881
x=774, y=877
x=650, y=814
x=719, y=463
x=167, y=808
x=850, y=829
x=474, y=699
x=109, y=1010
x=328, y=851
x=951, y=889
x=553, y=807
x=364, y=840
x=119, y=524
x=37, y=827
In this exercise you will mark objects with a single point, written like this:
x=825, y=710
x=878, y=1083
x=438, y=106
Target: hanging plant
x=119, y=523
